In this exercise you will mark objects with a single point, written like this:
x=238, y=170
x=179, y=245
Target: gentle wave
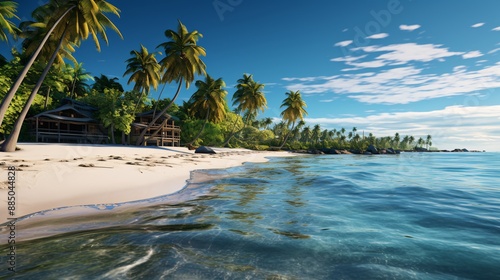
x=411, y=216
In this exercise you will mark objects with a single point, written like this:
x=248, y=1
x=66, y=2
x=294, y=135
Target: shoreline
x=51, y=176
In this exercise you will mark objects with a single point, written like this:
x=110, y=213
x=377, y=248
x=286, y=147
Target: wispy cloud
x=378, y=36
x=343, y=43
x=451, y=127
x=327, y=100
x=496, y=28
x=494, y=51
x=403, y=53
x=401, y=85
x=479, y=24
x=472, y=54
x=409, y=27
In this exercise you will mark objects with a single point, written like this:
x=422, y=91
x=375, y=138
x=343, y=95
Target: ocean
x=407, y=216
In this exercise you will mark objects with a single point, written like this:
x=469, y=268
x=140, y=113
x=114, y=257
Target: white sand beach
x=51, y=176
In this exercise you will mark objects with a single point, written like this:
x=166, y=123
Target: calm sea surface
x=412, y=216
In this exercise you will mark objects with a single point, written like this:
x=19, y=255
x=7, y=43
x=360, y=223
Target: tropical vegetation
x=44, y=71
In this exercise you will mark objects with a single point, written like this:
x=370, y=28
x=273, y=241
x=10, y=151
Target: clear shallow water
x=412, y=216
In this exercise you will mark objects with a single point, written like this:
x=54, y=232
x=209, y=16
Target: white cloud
x=472, y=54
x=402, y=85
x=378, y=36
x=494, y=51
x=343, y=43
x=472, y=127
x=496, y=28
x=409, y=27
x=402, y=53
x=327, y=100
x=460, y=68
x=347, y=58
x=396, y=54
x=479, y=24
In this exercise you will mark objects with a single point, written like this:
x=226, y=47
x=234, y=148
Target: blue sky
x=413, y=67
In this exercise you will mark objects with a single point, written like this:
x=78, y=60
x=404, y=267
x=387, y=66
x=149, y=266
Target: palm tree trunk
x=73, y=86
x=113, y=134
x=10, y=144
x=46, y=99
x=201, y=130
x=145, y=130
x=159, y=96
x=232, y=133
x=286, y=136
x=138, y=101
x=8, y=97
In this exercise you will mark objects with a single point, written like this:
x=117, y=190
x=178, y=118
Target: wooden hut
x=72, y=122
x=163, y=133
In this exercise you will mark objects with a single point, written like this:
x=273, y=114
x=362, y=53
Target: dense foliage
x=205, y=119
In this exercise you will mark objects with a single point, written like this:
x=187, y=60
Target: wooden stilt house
x=72, y=122
x=163, y=133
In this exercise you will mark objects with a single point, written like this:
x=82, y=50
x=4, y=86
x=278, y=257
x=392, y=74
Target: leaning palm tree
x=249, y=98
x=181, y=63
x=294, y=110
x=208, y=100
x=8, y=10
x=81, y=18
x=144, y=70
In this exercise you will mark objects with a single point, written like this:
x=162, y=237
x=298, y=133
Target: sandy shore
x=51, y=176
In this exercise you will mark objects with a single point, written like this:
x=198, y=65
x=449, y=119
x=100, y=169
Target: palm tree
x=78, y=85
x=316, y=134
x=306, y=135
x=8, y=10
x=145, y=72
x=103, y=82
x=411, y=139
x=181, y=63
x=249, y=99
x=396, y=140
x=208, y=100
x=428, y=141
x=294, y=110
x=420, y=142
x=267, y=122
x=82, y=18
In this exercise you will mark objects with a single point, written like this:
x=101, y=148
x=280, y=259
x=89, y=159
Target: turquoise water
x=411, y=216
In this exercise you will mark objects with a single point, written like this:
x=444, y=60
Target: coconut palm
x=294, y=110
x=8, y=10
x=266, y=123
x=306, y=134
x=79, y=78
x=144, y=70
x=428, y=141
x=81, y=18
x=249, y=98
x=209, y=100
x=420, y=142
x=316, y=134
x=104, y=82
x=396, y=140
x=181, y=64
